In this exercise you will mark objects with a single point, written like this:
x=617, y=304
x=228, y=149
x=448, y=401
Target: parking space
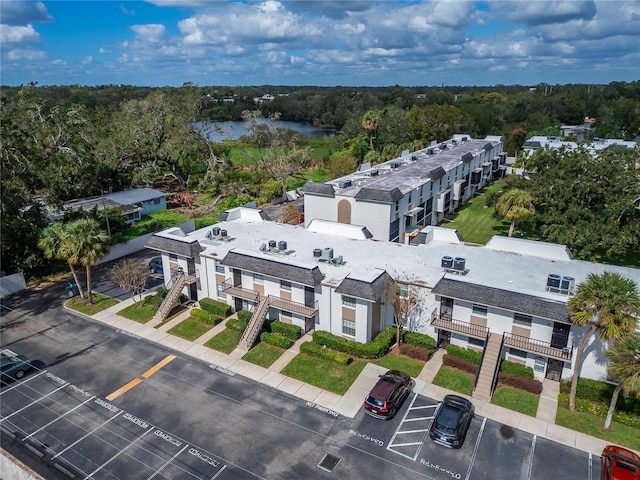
x=87, y=437
x=412, y=432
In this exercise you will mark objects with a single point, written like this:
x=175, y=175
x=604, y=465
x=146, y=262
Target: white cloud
x=152, y=33
x=18, y=35
x=23, y=54
x=23, y=13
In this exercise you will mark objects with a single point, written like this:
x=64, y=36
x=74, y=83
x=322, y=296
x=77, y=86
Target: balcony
x=445, y=322
x=293, y=307
x=239, y=291
x=189, y=278
x=539, y=347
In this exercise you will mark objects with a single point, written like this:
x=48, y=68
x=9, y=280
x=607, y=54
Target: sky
x=322, y=43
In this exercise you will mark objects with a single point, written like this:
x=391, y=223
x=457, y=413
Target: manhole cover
x=329, y=462
x=507, y=432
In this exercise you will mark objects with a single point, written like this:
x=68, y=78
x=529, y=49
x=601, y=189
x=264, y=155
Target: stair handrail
x=486, y=343
x=496, y=371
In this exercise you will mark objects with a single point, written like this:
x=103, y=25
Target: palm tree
x=55, y=243
x=371, y=122
x=90, y=243
x=515, y=205
x=607, y=304
x=624, y=369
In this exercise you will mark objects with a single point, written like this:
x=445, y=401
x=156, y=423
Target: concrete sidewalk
x=349, y=404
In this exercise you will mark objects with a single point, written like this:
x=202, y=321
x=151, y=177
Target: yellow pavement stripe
x=158, y=366
x=124, y=389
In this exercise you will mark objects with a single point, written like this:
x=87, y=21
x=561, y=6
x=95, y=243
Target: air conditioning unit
x=317, y=253
x=446, y=262
x=459, y=263
x=215, y=231
x=282, y=245
x=272, y=244
x=327, y=254
x=567, y=284
x=223, y=233
x=374, y=173
x=553, y=281
x=344, y=183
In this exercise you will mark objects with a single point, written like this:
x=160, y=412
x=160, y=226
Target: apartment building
x=333, y=277
x=540, y=142
x=397, y=198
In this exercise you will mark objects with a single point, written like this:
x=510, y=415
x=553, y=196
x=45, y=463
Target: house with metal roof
x=397, y=198
x=510, y=294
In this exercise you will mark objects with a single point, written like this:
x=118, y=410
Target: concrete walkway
x=350, y=403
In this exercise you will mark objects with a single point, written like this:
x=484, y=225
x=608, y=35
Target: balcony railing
x=445, y=322
x=293, y=307
x=537, y=346
x=239, y=291
x=189, y=278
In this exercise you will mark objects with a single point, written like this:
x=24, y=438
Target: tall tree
x=371, y=123
x=403, y=296
x=131, y=275
x=515, y=205
x=57, y=243
x=90, y=244
x=608, y=305
x=624, y=369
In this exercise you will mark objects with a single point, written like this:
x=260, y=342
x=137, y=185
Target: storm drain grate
x=329, y=463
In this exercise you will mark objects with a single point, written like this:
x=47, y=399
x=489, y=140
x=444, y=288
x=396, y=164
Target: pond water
x=232, y=130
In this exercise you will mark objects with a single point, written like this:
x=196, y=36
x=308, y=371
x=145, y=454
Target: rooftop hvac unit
x=209, y=234
x=567, y=284
x=215, y=231
x=337, y=260
x=344, y=183
x=447, y=262
x=553, y=280
x=327, y=254
x=374, y=173
x=429, y=151
x=272, y=244
x=414, y=158
x=459, y=263
x=263, y=247
x=282, y=245
x=464, y=139
x=317, y=252
x=394, y=165
x=223, y=233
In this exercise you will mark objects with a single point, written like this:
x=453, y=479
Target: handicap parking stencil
x=410, y=435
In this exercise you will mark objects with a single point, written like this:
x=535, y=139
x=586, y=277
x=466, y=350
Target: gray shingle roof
x=317, y=188
x=271, y=268
x=467, y=157
x=503, y=299
x=371, y=291
x=376, y=195
x=189, y=248
x=437, y=173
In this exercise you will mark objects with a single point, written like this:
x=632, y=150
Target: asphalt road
x=181, y=418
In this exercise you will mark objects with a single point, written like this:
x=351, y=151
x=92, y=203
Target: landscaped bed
x=226, y=341
x=100, y=302
x=455, y=380
x=323, y=374
x=263, y=354
x=516, y=400
x=190, y=329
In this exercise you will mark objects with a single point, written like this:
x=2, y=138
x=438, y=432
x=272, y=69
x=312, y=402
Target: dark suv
x=387, y=395
x=452, y=420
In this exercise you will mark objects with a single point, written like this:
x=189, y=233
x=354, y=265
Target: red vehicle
x=387, y=395
x=620, y=464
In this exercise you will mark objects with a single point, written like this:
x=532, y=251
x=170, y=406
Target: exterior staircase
x=177, y=283
x=255, y=324
x=488, y=368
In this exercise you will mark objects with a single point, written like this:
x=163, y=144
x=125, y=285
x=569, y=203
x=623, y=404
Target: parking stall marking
x=415, y=436
x=34, y=402
x=59, y=418
x=117, y=455
x=475, y=449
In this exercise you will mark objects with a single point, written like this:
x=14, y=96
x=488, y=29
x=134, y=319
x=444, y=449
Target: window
x=285, y=314
x=219, y=268
x=518, y=353
x=156, y=201
x=349, y=302
x=480, y=310
x=173, y=258
x=539, y=365
x=221, y=294
x=348, y=327
x=257, y=278
x=403, y=290
x=522, y=320
x=284, y=285
x=475, y=342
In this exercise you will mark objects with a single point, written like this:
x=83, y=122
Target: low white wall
x=12, y=283
x=13, y=469
x=132, y=246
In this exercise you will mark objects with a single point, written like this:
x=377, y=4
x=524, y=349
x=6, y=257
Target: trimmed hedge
x=215, y=307
x=375, y=349
x=206, y=317
x=236, y=324
x=244, y=316
x=523, y=383
x=601, y=392
x=285, y=329
x=600, y=410
x=419, y=353
x=275, y=339
x=419, y=340
x=460, y=363
x=516, y=369
x=465, y=353
x=315, y=350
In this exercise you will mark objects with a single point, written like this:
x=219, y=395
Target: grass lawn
x=326, y=375
x=100, y=302
x=263, y=354
x=592, y=425
x=516, y=400
x=456, y=380
x=226, y=341
x=190, y=329
x=404, y=364
x=475, y=221
x=154, y=221
x=139, y=313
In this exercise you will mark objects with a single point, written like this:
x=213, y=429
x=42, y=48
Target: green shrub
x=460, y=364
x=215, y=307
x=162, y=292
x=419, y=340
x=275, y=339
x=244, y=316
x=374, y=349
x=516, y=369
x=206, y=317
x=285, y=329
x=523, y=383
x=311, y=348
x=601, y=392
x=600, y=410
x=465, y=353
x=236, y=324
x=419, y=353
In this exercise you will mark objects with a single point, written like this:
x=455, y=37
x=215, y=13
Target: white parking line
x=168, y=462
x=34, y=402
x=117, y=454
x=475, y=449
x=399, y=432
x=590, y=467
x=533, y=449
x=17, y=384
x=87, y=434
x=60, y=417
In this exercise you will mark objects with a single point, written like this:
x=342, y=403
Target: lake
x=232, y=130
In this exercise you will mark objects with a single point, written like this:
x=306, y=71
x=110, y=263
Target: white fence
x=12, y=283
